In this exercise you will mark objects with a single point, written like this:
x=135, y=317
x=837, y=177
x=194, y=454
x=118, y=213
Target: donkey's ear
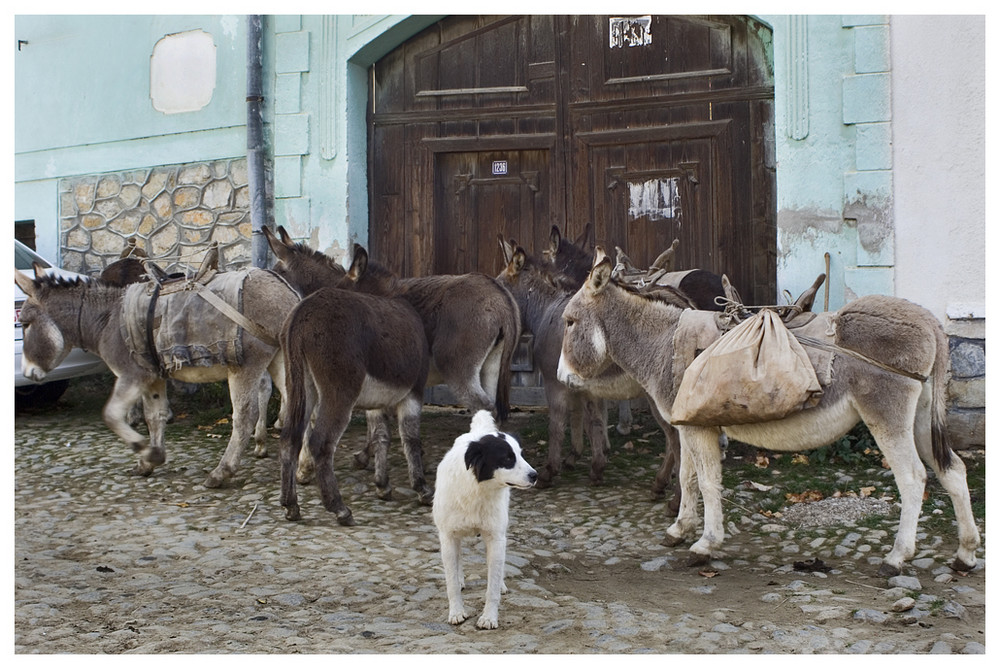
x=24, y=282
x=507, y=248
x=286, y=238
x=600, y=275
x=272, y=241
x=359, y=264
x=555, y=237
x=518, y=261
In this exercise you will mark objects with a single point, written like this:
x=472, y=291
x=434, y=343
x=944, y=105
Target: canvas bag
x=754, y=373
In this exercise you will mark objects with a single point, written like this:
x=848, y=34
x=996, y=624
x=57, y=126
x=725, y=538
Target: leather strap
x=235, y=315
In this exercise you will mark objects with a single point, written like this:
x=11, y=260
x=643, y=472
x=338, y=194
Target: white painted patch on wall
x=230, y=26
x=182, y=71
x=654, y=199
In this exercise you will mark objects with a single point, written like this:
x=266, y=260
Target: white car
x=77, y=363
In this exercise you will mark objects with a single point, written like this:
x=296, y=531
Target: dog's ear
x=475, y=458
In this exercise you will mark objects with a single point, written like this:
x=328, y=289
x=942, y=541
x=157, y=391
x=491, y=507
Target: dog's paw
x=503, y=588
x=457, y=618
x=487, y=623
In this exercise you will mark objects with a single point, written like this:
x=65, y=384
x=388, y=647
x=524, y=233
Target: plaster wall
x=939, y=162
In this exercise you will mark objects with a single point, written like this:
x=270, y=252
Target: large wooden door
x=650, y=127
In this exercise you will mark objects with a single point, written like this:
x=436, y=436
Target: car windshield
x=23, y=257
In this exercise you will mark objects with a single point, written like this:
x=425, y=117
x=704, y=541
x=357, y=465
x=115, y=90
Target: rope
x=815, y=343
x=734, y=311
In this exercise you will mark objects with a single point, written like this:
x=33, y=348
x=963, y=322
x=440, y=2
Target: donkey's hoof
x=304, y=477
x=384, y=493
x=213, y=482
x=292, y=512
x=670, y=541
x=698, y=559
x=425, y=496
x=959, y=565
x=597, y=477
x=346, y=520
x=142, y=469
x=888, y=571
x=260, y=451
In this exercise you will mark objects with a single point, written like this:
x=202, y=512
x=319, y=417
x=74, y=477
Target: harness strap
x=815, y=343
x=234, y=315
x=150, y=335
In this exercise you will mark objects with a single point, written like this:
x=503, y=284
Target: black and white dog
x=471, y=497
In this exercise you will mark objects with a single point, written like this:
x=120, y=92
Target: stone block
x=967, y=428
x=291, y=135
x=291, y=52
x=871, y=49
x=968, y=358
x=855, y=20
x=867, y=98
x=287, y=176
x=873, y=150
x=217, y=195
x=288, y=93
x=197, y=174
x=186, y=197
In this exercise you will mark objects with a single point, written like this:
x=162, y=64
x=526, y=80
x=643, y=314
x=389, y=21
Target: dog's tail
x=483, y=423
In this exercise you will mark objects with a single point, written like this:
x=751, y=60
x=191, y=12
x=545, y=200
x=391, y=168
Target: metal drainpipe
x=255, y=140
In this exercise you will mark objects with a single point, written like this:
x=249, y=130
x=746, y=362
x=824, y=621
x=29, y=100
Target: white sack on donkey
x=473, y=493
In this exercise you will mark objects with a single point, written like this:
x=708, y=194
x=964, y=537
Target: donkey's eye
x=570, y=322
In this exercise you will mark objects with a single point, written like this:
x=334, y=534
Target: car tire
x=41, y=395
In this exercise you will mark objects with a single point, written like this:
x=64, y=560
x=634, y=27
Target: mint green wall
x=82, y=104
x=833, y=152
x=320, y=69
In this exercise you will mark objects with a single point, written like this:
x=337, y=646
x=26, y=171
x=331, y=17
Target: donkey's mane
x=301, y=249
x=55, y=281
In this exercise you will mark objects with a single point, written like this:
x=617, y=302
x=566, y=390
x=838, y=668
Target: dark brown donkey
x=346, y=350
x=471, y=323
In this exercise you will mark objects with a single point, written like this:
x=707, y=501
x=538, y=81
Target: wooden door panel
x=482, y=194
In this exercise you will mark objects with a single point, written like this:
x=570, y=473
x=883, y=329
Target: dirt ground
x=106, y=562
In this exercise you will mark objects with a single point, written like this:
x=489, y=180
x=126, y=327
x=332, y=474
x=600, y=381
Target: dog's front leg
x=496, y=554
x=451, y=557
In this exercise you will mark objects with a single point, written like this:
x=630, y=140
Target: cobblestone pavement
x=110, y=563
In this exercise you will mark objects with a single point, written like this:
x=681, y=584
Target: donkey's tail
x=510, y=334
x=940, y=444
x=293, y=348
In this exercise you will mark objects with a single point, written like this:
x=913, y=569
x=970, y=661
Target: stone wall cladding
x=174, y=211
x=967, y=393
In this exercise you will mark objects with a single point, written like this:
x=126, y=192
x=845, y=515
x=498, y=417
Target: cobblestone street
x=110, y=563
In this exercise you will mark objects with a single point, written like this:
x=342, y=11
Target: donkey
x=542, y=305
x=568, y=264
x=607, y=324
x=471, y=323
x=347, y=350
x=61, y=314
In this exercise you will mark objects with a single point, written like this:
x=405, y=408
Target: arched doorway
x=650, y=127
